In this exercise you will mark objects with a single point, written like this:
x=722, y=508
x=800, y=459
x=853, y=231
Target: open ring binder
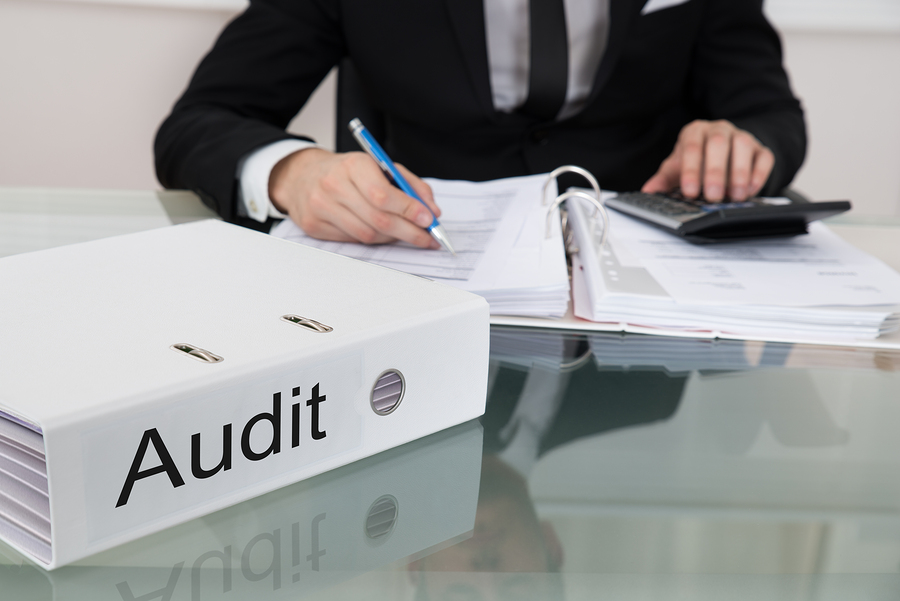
x=599, y=209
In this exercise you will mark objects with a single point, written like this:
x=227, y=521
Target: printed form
x=498, y=230
x=816, y=269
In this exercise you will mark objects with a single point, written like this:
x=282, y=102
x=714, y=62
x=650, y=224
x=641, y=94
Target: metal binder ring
x=569, y=169
x=598, y=206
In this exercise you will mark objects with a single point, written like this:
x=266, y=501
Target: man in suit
x=655, y=94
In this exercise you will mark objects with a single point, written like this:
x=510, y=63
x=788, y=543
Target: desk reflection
x=651, y=468
x=290, y=543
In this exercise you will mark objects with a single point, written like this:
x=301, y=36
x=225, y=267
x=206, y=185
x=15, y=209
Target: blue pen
x=374, y=150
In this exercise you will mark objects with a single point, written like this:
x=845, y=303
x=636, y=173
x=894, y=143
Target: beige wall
x=83, y=86
x=849, y=83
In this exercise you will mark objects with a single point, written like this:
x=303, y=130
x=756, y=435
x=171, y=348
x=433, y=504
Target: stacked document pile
x=815, y=288
x=675, y=354
x=529, y=347
x=504, y=249
x=618, y=350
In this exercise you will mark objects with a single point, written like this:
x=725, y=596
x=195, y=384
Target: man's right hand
x=347, y=198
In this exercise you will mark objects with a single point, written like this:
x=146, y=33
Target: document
x=471, y=219
x=504, y=249
x=803, y=271
x=809, y=288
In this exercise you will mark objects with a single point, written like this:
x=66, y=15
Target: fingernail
x=739, y=193
x=690, y=190
x=424, y=219
x=714, y=192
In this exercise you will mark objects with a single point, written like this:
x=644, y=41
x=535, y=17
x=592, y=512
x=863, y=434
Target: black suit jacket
x=424, y=64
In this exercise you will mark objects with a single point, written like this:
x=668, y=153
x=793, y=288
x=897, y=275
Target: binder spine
x=186, y=454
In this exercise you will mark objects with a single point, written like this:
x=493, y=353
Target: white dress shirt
x=507, y=30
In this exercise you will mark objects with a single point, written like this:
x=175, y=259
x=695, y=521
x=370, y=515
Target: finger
x=376, y=192
x=326, y=215
x=352, y=226
x=343, y=225
x=692, y=142
x=743, y=150
x=326, y=231
x=716, y=157
x=358, y=199
x=762, y=169
x=422, y=189
x=385, y=209
x=338, y=225
x=666, y=178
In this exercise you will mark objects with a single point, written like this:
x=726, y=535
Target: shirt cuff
x=253, y=173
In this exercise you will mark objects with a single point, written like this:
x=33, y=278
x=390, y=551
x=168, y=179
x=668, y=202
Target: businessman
x=646, y=94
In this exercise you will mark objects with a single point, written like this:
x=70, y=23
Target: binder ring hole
x=195, y=352
x=309, y=324
x=387, y=392
x=382, y=517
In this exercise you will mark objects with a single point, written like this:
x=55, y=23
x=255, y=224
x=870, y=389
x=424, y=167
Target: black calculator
x=705, y=222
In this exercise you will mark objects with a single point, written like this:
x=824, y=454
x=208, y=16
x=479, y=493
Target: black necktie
x=549, y=59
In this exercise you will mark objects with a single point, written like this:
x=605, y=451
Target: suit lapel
x=622, y=16
x=467, y=18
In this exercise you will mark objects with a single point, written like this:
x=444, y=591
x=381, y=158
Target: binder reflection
x=404, y=503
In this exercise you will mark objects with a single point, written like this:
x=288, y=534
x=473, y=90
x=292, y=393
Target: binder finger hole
x=309, y=324
x=387, y=392
x=381, y=517
x=196, y=352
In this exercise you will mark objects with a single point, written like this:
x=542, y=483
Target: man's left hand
x=717, y=159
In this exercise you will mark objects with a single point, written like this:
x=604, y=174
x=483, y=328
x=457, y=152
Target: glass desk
x=606, y=466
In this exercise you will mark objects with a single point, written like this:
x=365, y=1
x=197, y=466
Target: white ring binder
x=599, y=209
x=571, y=169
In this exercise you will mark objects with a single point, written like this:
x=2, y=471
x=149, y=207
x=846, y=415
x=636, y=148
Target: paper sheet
x=805, y=271
x=498, y=229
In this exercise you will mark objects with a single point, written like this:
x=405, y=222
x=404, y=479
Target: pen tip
x=439, y=234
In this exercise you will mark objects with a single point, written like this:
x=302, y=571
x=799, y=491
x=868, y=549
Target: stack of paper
x=617, y=351
x=504, y=250
x=513, y=346
x=674, y=354
x=808, y=288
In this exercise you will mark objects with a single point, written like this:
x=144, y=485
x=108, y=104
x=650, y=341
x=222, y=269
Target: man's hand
x=717, y=158
x=347, y=198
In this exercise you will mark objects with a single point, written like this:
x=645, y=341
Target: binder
x=614, y=289
x=152, y=378
x=305, y=538
x=516, y=237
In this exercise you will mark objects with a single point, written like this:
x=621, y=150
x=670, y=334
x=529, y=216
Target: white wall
x=849, y=83
x=83, y=86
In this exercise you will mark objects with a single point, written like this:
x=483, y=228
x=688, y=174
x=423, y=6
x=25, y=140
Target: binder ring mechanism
x=599, y=209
